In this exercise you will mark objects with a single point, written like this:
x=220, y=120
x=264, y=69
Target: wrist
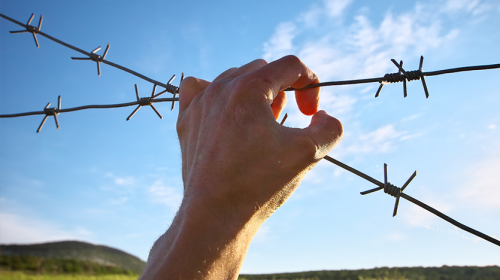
x=207, y=239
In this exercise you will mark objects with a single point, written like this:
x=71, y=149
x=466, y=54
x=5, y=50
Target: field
x=11, y=275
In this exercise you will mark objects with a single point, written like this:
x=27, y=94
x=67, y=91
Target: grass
x=16, y=275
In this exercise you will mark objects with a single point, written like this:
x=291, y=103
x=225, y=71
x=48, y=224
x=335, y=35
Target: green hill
x=385, y=273
x=75, y=250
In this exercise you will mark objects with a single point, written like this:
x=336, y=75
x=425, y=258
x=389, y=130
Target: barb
x=146, y=101
x=95, y=57
x=398, y=192
x=92, y=56
x=50, y=112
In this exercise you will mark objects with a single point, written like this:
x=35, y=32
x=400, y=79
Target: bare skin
x=238, y=164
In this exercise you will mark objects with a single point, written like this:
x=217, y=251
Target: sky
x=108, y=181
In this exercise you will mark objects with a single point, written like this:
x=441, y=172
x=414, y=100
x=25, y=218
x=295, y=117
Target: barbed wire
x=396, y=192
x=400, y=76
x=91, y=56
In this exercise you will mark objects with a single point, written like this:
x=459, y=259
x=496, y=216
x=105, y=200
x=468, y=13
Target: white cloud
x=359, y=48
x=380, y=140
x=280, y=43
x=166, y=195
x=120, y=200
x=21, y=229
x=418, y=216
x=121, y=184
x=122, y=181
x=483, y=184
x=458, y=5
x=395, y=236
x=492, y=126
x=335, y=8
x=411, y=118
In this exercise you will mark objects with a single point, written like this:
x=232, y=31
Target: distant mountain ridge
x=77, y=250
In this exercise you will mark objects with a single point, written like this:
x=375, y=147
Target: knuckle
x=292, y=59
x=261, y=62
x=308, y=149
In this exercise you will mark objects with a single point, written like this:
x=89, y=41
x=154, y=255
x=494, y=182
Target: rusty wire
x=400, y=76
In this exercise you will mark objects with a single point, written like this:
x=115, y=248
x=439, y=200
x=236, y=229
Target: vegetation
x=385, y=273
x=72, y=260
x=8, y=275
x=32, y=264
x=80, y=254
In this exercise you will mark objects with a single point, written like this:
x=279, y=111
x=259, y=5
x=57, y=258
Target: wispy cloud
x=169, y=196
x=418, y=216
x=120, y=184
x=380, y=140
x=482, y=186
x=280, y=43
x=335, y=8
x=359, y=48
x=21, y=229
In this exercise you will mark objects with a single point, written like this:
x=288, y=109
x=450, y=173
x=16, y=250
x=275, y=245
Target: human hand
x=238, y=164
x=235, y=156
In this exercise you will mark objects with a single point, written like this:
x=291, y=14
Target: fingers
x=249, y=67
x=238, y=71
x=189, y=88
x=225, y=73
x=325, y=131
x=308, y=99
x=279, y=104
x=278, y=75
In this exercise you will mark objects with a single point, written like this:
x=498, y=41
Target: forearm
x=203, y=242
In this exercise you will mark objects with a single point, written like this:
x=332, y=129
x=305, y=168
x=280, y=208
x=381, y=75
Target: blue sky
x=107, y=181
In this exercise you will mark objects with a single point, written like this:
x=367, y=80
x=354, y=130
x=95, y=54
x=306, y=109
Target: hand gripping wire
x=51, y=112
x=398, y=192
x=146, y=101
x=32, y=29
x=403, y=76
x=95, y=57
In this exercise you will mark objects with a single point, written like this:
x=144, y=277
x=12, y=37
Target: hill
x=399, y=273
x=76, y=250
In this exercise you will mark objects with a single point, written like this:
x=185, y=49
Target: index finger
x=278, y=75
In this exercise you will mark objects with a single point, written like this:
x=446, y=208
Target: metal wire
x=398, y=192
x=400, y=76
x=105, y=106
x=34, y=30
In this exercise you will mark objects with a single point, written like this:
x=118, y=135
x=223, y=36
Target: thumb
x=325, y=131
x=188, y=90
